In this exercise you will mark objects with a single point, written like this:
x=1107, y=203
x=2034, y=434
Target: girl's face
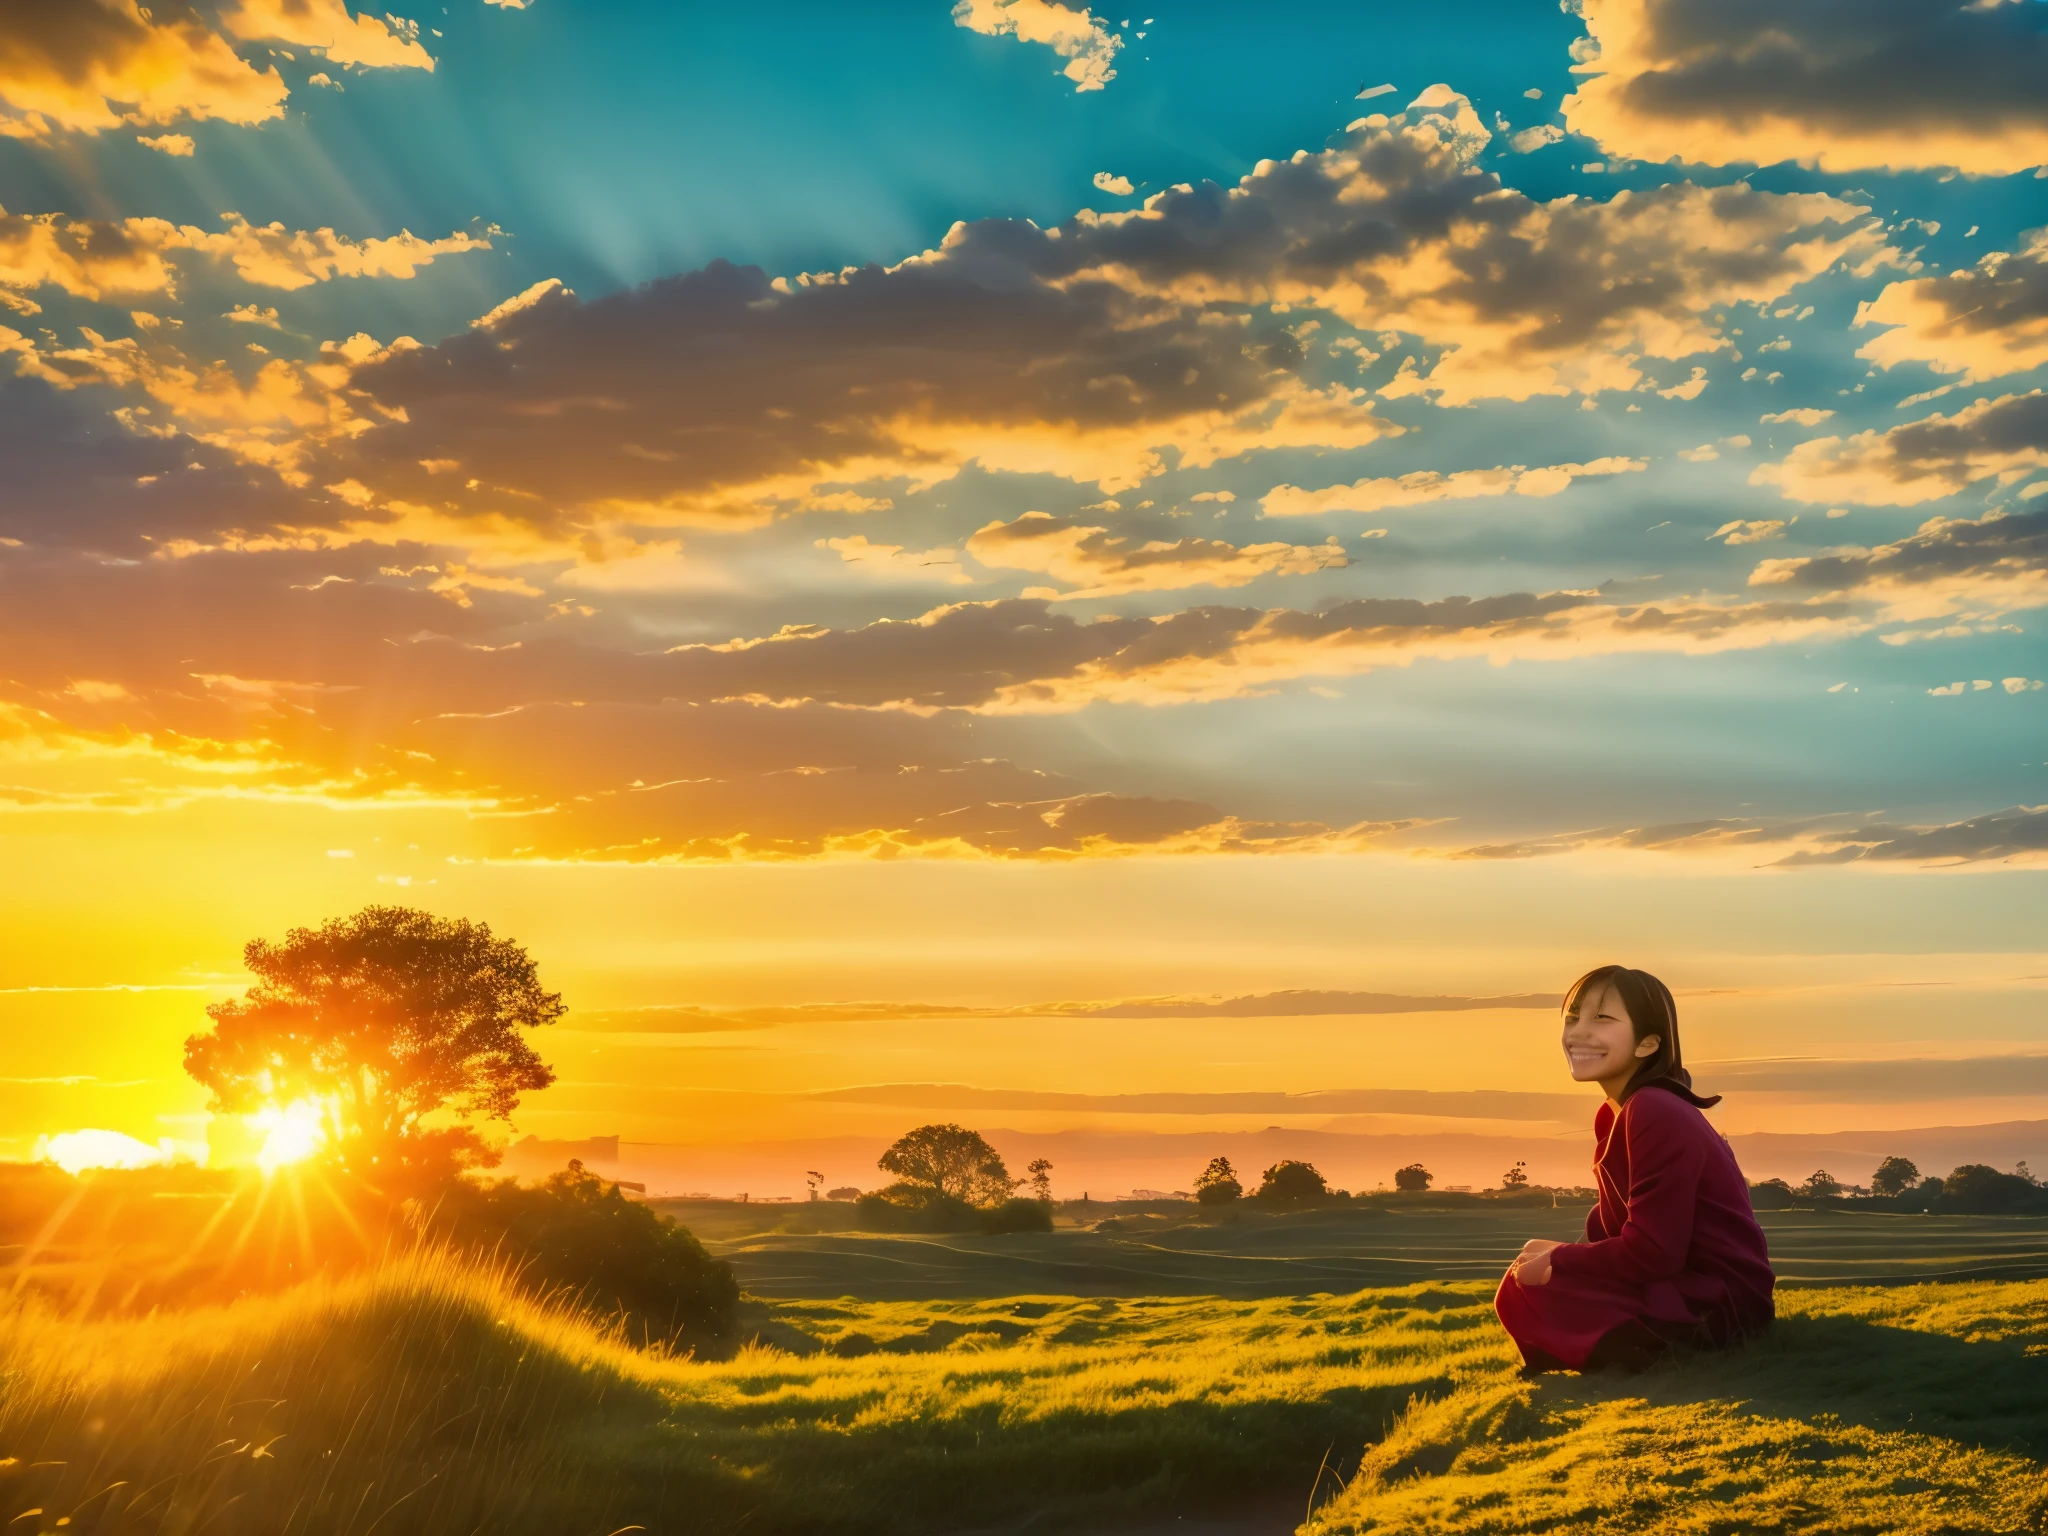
x=1600, y=1044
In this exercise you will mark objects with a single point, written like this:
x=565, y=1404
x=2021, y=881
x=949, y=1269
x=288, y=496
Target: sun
x=291, y=1132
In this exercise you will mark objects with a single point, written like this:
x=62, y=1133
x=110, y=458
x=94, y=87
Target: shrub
x=1018, y=1216
x=843, y=1192
x=1289, y=1182
x=1218, y=1183
x=581, y=1233
x=913, y=1208
x=1414, y=1177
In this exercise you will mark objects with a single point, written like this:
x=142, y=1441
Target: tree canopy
x=1290, y=1182
x=1895, y=1175
x=1413, y=1178
x=390, y=1016
x=949, y=1161
x=1218, y=1183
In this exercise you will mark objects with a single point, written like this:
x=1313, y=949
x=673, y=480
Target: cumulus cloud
x=1087, y=44
x=1100, y=350
x=1101, y=564
x=87, y=66
x=1921, y=461
x=1910, y=85
x=1982, y=322
x=1116, y=186
x=1425, y=485
x=177, y=145
x=362, y=40
x=1994, y=565
x=1801, y=416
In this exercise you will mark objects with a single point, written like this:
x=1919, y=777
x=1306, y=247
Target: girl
x=1673, y=1254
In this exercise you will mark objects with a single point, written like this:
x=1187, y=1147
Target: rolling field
x=1164, y=1251
x=1230, y=1379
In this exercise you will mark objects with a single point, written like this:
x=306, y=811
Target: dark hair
x=1653, y=1011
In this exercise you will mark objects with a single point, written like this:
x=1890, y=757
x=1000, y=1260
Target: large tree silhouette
x=407, y=1025
x=950, y=1162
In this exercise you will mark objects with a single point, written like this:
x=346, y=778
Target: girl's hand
x=1532, y=1264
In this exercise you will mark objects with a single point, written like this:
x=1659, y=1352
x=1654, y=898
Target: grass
x=431, y=1396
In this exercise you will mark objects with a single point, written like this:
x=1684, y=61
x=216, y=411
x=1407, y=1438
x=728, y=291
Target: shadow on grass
x=1987, y=1393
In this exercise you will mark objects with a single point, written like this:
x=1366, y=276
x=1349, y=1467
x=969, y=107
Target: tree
x=1218, y=1184
x=816, y=1181
x=1516, y=1177
x=1038, y=1174
x=1289, y=1182
x=949, y=1161
x=1894, y=1176
x=383, y=1020
x=1414, y=1178
x=1821, y=1184
x=844, y=1192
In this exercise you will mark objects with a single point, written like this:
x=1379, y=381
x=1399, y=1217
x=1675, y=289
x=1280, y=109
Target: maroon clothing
x=1672, y=1245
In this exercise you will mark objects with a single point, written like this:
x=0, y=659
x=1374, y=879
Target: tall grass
x=431, y=1396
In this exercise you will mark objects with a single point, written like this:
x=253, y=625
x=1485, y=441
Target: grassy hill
x=432, y=1397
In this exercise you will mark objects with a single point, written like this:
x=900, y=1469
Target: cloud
x=2021, y=685
x=93, y=258
x=1088, y=46
x=87, y=66
x=1994, y=565
x=173, y=144
x=1903, y=1080
x=1100, y=350
x=1921, y=461
x=1801, y=416
x=1910, y=85
x=2019, y=834
x=1982, y=322
x=1532, y=139
x=1101, y=564
x=1116, y=186
x=1759, y=531
x=1427, y=485
x=364, y=40
x=2016, y=835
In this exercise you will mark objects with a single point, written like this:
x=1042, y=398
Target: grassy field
x=1174, y=1250
x=431, y=1397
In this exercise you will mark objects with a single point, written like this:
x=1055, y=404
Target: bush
x=1018, y=1216
x=580, y=1232
x=913, y=1208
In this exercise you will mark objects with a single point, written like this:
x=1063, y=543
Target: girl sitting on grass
x=1673, y=1254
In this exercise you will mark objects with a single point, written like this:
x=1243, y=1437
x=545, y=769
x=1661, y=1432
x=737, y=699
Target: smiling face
x=1600, y=1044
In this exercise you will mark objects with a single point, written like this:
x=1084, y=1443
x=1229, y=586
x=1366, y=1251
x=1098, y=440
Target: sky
x=995, y=512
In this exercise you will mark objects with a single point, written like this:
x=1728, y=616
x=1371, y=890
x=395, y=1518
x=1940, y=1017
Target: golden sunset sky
x=919, y=556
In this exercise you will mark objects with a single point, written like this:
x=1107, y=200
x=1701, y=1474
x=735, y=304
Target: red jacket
x=1674, y=1210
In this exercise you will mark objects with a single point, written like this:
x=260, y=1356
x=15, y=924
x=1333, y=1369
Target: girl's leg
x=1558, y=1325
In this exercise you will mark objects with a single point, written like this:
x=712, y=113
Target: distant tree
x=949, y=1161
x=1218, y=1183
x=384, y=1019
x=2021, y=1171
x=1516, y=1177
x=1977, y=1189
x=1772, y=1195
x=1038, y=1174
x=1289, y=1182
x=1414, y=1178
x=816, y=1181
x=844, y=1192
x=1894, y=1176
x=1820, y=1184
